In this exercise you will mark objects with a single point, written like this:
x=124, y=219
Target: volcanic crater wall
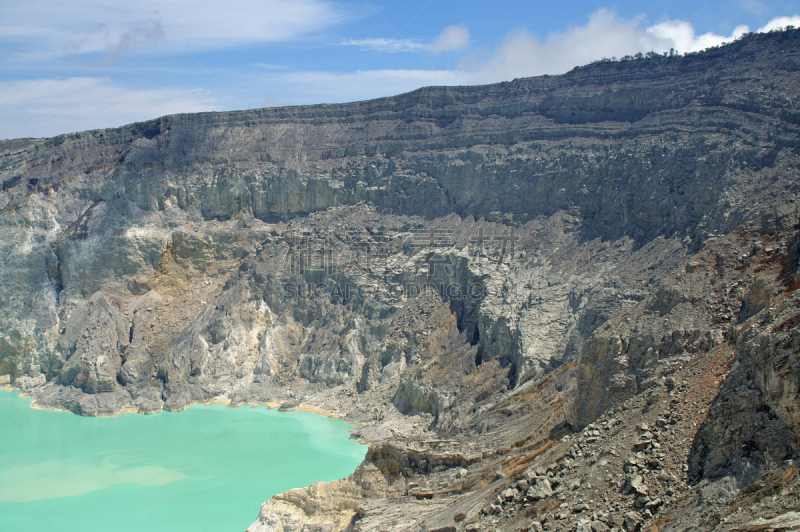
x=259, y=255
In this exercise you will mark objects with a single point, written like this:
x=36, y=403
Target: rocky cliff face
x=470, y=273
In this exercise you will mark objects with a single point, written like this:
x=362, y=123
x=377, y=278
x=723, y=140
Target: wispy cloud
x=149, y=33
x=48, y=107
x=452, y=38
x=387, y=45
x=49, y=30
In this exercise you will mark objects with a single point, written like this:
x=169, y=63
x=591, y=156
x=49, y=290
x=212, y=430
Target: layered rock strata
x=553, y=303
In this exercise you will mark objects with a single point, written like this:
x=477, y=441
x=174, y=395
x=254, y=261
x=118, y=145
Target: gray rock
x=137, y=368
x=377, y=432
x=30, y=384
x=789, y=521
x=94, y=335
x=290, y=405
x=654, y=504
x=540, y=490
x=632, y=521
x=635, y=484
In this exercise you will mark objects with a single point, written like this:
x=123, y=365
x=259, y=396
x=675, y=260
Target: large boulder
x=93, y=339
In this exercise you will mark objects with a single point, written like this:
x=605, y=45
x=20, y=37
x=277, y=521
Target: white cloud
x=452, y=38
x=47, y=107
x=46, y=29
x=681, y=36
x=779, y=23
x=521, y=54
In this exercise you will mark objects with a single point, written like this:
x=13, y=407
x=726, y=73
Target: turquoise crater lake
x=206, y=469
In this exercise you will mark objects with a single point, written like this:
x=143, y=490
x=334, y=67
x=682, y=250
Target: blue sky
x=84, y=64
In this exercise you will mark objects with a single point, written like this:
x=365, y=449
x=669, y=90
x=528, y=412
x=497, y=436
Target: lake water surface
x=207, y=469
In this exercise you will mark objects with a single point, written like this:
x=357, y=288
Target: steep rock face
x=596, y=149
x=736, y=296
x=469, y=272
x=94, y=336
x=755, y=422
